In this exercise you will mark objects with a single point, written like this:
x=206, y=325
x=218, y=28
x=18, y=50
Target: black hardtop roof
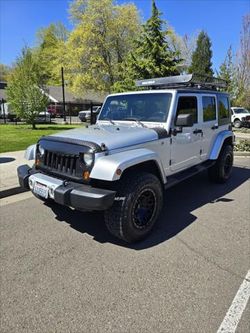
x=200, y=91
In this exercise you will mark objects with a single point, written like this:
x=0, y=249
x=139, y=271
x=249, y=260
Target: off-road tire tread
x=215, y=173
x=116, y=216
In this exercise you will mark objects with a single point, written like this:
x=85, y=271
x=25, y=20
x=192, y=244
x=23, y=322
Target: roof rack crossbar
x=187, y=80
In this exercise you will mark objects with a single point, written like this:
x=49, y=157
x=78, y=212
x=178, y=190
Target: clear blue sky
x=221, y=19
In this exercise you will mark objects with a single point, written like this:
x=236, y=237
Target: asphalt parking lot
x=61, y=271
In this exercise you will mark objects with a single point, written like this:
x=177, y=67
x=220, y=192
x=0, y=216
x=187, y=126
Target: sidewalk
x=9, y=162
x=8, y=172
x=242, y=136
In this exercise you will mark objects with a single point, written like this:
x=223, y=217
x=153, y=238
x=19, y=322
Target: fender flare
x=105, y=167
x=30, y=153
x=218, y=143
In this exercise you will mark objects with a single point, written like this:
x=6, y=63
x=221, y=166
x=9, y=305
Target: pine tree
x=226, y=68
x=227, y=72
x=152, y=56
x=201, y=58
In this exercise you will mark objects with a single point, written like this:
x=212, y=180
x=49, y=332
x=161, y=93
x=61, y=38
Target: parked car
x=143, y=143
x=43, y=117
x=240, y=117
x=55, y=110
x=86, y=114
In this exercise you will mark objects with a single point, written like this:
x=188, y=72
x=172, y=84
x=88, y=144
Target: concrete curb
x=9, y=191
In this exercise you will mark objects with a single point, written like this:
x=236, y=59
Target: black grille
x=63, y=163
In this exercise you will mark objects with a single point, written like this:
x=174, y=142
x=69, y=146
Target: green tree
x=24, y=91
x=226, y=68
x=4, y=72
x=98, y=44
x=227, y=72
x=152, y=55
x=242, y=77
x=51, y=51
x=202, y=56
x=185, y=45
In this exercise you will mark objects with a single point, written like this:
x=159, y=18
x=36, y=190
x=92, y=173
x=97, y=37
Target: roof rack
x=188, y=80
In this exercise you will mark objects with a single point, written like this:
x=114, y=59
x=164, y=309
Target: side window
x=224, y=109
x=209, y=108
x=188, y=105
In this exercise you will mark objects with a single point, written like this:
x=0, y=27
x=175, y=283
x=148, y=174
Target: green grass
x=19, y=137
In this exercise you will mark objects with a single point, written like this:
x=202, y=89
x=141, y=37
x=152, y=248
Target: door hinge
x=200, y=151
x=170, y=162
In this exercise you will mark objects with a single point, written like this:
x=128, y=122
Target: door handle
x=197, y=131
x=214, y=127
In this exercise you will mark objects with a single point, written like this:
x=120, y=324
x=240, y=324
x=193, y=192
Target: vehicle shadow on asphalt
x=180, y=202
x=6, y=159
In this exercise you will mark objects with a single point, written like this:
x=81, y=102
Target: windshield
x=151, y=107
x=241, y=110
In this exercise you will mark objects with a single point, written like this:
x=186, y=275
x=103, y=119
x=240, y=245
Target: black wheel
x=221, y=171
x=136, y=208
x=237, y=123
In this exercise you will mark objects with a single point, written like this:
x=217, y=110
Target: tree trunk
x=33, y=125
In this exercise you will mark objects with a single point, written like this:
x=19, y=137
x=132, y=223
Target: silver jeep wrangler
x=143, y=143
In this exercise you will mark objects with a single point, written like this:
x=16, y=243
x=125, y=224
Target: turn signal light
x=85, y=175
x=118, y=172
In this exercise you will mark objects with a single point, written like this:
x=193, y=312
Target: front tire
x=237, y=123
x=137, y=206
x=221, y=171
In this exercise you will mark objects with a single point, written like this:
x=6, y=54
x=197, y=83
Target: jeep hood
x=113, y=136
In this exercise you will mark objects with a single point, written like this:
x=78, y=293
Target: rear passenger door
x=185, y=147
x=210, y=126
x=215, y=110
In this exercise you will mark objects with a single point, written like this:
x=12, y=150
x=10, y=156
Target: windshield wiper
x=136, y=120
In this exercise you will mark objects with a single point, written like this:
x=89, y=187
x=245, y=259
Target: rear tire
x=136, y=208
x=221, y=171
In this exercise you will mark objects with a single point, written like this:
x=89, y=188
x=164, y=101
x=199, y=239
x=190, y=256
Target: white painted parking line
x=237, y=307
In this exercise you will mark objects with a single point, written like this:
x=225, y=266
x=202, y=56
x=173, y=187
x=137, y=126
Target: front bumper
x=245, y=123
x=79, y=196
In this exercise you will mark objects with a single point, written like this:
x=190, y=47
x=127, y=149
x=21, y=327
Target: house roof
x=55, y=95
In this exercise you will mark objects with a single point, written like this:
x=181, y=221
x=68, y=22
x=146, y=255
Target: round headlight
x=88, y=159
x=41, y=150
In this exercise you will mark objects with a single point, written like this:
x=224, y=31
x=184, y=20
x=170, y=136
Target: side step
x=182, y=175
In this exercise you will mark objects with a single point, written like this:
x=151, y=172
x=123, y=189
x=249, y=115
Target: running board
x=182, y=175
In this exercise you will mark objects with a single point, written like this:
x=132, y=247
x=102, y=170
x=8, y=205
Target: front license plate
x=41, y=190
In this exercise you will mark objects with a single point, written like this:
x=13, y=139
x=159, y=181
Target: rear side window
x=224, y=109
x=188, y=105
x=209, y=108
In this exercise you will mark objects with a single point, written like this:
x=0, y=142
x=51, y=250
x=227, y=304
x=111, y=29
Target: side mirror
x=184, y=120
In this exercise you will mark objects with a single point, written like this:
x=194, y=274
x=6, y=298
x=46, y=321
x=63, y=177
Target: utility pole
x=63, y=93
x=3, y=108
